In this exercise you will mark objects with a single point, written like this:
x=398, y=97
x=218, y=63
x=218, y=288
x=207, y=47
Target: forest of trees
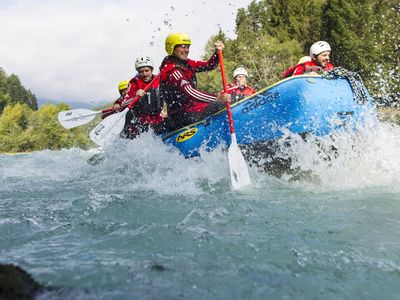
x=24, y=127
x=12, y=92
x=271, y=36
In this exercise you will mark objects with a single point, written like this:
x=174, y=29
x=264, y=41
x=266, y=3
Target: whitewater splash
x=345, y=160
x=349, y=159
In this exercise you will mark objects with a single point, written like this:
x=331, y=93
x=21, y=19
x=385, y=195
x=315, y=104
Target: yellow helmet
x=304, y=59
x=177, y=38
x=123, y=85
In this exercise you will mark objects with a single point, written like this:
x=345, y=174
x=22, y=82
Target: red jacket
x=148, y=108
x=307, y=66
x=239, y=92
x=105, y=115
x=178, y=84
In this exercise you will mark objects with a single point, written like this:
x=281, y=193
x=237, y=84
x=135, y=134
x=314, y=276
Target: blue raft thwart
x=301, y=104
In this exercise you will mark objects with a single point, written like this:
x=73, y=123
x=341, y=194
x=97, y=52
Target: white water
x=148, y=224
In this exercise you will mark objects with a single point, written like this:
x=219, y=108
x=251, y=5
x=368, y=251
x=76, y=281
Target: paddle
x=77, y=117
x=112, y=126
x=239, y=172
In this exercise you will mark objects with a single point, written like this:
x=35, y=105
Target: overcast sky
x=78, y=50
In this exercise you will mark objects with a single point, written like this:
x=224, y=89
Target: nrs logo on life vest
x=184, y=136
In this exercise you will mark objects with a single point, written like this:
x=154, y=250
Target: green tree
x=273, y=34
x=4, y=97
x=285, y=20
x=17, y=93
x=12, y=92
x=14, y=124
x=364, y=36
x=23, y=129
x=49, y=134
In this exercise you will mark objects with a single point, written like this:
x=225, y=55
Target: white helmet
x=144, y=61
x=319, y=47
x=240, y=71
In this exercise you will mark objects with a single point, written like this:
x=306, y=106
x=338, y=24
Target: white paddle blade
x=76, y=117
x=109, y=128
x=239, y=172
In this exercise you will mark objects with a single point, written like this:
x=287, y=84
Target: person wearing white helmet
x=146, y=113
x=144, y=66
x=320, y=60
x=320, y=54
x=239, y=89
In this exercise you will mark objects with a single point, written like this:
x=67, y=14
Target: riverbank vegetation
x=24, y=127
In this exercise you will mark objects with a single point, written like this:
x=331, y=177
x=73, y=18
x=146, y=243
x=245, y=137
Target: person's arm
x=201, y=66
x=299, y=70
x=178, y=79
x=211, y=63
x=132, y=88
x=116, y=106
x=289, y=72
x=231, y=88
x=250, y=90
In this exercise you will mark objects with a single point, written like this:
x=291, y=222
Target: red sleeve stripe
x=126, y=101
x=197, y=94
x=177, y=74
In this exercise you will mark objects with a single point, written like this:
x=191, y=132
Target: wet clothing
x=119, y=100
x=305, y=67
x=239, y=92
x=146, y=113
x=185, y=103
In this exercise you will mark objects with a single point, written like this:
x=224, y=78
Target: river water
x=146, y=223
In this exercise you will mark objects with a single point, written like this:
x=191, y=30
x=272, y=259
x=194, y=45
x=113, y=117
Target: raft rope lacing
x=360, y=94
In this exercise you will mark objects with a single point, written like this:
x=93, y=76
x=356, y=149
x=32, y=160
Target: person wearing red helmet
x=320, y=61
x=239, y=89
x=178, y=86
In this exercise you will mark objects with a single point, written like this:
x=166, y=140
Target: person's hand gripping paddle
x=239, y=172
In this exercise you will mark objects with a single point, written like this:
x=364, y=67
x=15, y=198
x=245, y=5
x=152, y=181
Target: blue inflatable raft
x=301, y=104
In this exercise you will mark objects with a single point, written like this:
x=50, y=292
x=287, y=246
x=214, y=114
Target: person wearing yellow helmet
x=178, y=86
x=122, y=89
x=174, y=39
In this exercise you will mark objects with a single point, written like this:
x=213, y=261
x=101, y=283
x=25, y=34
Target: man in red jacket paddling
x=146, y=113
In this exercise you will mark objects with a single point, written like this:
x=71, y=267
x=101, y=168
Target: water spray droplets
x=168, y=23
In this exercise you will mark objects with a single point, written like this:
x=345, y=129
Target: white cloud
x=79, y=50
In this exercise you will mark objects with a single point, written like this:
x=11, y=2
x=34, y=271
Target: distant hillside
x=13, y=92
x=73, y=104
